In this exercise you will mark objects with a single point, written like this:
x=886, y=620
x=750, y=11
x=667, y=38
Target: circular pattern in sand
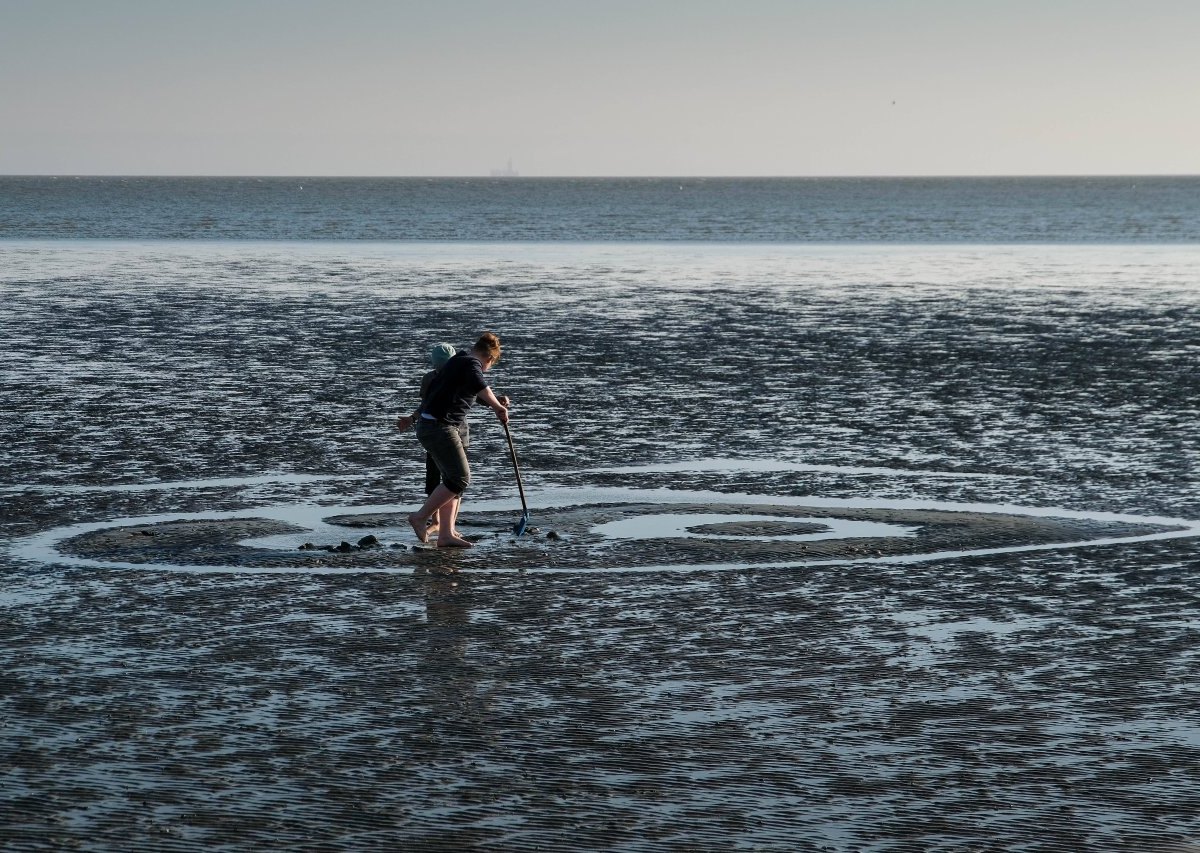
x=640, y=531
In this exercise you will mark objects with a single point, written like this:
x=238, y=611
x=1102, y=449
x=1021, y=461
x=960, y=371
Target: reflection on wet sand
x=1018, y=674
x=453, y=688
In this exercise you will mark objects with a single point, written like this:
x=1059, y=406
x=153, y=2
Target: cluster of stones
x=367, y=543
x=370, y=543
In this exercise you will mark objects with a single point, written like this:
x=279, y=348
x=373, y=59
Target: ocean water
x=208, y=347
x=784, y=210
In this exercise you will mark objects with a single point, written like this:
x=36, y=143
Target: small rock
x=146, y=532
x=345, y=548
x=553, y=536
x=398, y=546
x=368, y=542
x=308, y=546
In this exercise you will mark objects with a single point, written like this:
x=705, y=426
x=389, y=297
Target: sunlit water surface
x=1021, y=700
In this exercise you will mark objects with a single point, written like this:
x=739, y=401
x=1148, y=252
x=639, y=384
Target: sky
x=599, y=87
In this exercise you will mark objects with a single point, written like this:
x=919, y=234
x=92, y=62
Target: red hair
x=489, y=345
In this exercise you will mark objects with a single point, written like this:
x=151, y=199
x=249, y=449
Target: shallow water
x=1039, y=700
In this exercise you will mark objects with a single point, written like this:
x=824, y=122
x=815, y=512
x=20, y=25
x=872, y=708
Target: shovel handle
x=516, y=468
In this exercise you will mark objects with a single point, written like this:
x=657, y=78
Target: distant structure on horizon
x=507, y=172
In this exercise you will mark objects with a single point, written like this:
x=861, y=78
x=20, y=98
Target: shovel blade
x=519, y=527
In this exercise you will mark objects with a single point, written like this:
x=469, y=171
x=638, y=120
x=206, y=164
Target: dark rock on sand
x=345, y=548
x=368, y=541
x=552, y=535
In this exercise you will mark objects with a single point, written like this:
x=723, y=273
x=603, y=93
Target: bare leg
x=447, y=534
x=439, y=498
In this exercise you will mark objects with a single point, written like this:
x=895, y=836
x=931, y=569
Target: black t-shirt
x=453, y=388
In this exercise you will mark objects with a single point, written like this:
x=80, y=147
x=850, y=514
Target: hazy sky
x=600, y=87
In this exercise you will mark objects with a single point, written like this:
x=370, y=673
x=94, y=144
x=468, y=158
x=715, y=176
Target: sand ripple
x=1000, y=699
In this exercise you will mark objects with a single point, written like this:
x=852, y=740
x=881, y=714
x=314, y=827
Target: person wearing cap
x=447, y=394
x=439, y=354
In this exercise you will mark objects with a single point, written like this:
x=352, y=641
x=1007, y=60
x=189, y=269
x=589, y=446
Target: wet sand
x=465, y=700
x=1016, y=702
x=572, y=538
x=669, y=692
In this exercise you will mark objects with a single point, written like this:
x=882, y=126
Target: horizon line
x=510, y=178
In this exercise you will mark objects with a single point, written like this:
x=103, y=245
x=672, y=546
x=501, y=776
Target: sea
x=1134, y=209
x=198, y=348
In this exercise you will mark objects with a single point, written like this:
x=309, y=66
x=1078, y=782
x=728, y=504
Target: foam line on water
x=778, y=466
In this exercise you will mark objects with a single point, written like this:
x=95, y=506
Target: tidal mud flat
x=630, y=536
x=656, y=691
x=1042, y=703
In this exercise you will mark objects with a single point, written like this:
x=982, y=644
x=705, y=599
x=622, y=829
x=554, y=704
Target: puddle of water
x=12, y=598
x=777, y=466
x=679, y=526
x=946, y=631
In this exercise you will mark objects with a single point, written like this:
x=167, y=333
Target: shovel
x=520, y=526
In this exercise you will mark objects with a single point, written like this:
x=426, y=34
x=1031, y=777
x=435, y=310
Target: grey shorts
x=444, y=444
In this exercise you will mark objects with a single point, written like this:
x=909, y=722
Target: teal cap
x=439, y=354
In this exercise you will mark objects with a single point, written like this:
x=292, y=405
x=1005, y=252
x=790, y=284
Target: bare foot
x=454, y=542
x=418, y=525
